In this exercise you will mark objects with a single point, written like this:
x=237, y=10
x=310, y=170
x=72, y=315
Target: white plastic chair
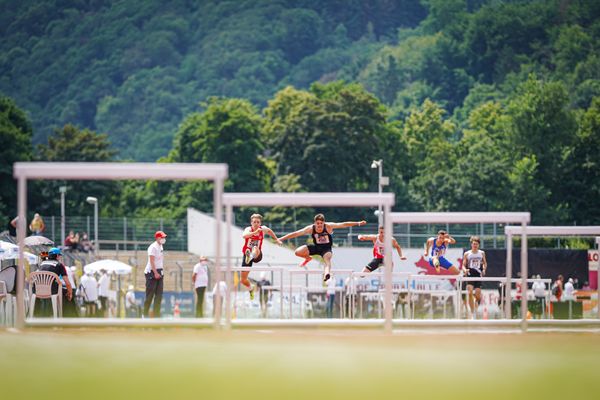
x=42, y=281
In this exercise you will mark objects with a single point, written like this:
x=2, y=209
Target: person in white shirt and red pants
x=154, y=274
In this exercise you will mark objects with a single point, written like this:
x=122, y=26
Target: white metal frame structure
x=23, y=171
x=471, y=218
x=525, y=231
x=386, y=200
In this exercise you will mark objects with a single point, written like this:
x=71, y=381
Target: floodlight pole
x=62, y=190
x=94, y=201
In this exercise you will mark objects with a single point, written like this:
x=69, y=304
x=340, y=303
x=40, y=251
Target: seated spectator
x=85, y=244
x=72, y=241
x=53, y=264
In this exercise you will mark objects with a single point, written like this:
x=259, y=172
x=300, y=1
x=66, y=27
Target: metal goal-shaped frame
x=386, y=200
x=24, y=171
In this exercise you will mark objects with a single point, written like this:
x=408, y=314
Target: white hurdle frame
x=263, y=269
x=525, y=231
x=298, y=271
x=386, y=200
x=24, y=171
x=474, y=218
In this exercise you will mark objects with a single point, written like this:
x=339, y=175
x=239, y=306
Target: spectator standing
x=103, y=289
x=12, y=227
x=569, y=293
x=539, y=291
x=37, y=225
x=200, y=279
x=557, y=287
x=154, y=274
x=131, y=307
x=88, y=288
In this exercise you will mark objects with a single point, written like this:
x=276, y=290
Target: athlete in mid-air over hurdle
x=378, y=249
x=252, y=250
x=321, y=234
x=435, y=249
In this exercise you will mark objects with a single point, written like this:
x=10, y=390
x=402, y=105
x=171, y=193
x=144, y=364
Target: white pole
x=218, y=209
x=96, y=245
x=380, y=216
x=508, y=284
x=598, y=275
x=63, y=190
x=228, y=212
x=524, y=273
x=21, y=233
x=387, y=242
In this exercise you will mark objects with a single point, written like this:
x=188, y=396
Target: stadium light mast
x=62, y=190
x=94, y=201
x=381, y=182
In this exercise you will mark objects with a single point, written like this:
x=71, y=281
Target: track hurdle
x=386, y=200
x=24, y=171
x=526, y=231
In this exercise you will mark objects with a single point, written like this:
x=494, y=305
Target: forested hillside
x=472, y=105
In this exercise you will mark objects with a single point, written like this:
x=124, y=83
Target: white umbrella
x=9, y=251
x=37, y=241
x=118, y=267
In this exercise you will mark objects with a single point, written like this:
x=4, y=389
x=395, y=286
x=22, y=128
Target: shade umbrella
x=118, y=267
x=37, y=241
x=10, y=251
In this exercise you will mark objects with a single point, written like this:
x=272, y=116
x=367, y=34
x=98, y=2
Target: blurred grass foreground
x=177, y=364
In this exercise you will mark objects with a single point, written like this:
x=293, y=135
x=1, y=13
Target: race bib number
x=324, y=239
x=253, y=243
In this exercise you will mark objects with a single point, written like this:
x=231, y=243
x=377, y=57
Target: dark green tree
x=15, y=145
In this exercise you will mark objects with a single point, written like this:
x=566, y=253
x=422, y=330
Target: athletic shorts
x=318, y=250
x=443, y=262
x=374, y=264
x=473, y=273
x=252, y=261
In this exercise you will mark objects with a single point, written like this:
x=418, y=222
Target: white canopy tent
x=9, y=251
x=110, y=266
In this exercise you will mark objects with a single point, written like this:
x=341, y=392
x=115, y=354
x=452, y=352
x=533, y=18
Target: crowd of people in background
x=78, y=242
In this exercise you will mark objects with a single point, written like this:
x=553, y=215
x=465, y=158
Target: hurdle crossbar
x=23, y=171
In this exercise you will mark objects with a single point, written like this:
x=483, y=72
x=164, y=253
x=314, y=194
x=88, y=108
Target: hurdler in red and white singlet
x=253, y=241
